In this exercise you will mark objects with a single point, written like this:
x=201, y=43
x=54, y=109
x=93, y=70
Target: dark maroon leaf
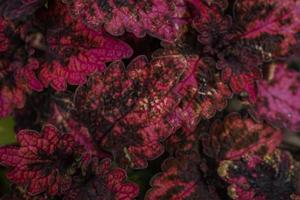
x=103, y=182
x=272, y=19
x=256, y=178
x=19, y=9
x=182, y=178
x=240, y=68
x=236, y=137
x=17, y=69
x=128, y=107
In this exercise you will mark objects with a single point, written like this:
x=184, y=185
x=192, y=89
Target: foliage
x=105, y=91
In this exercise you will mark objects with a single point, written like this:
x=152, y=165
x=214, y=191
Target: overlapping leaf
x=198, y=94
x=182, y=178
x=278, y=98
x=74, y=51
x=127, y=108
x=17, y=68
x=277, y=20
x=240, y=68
x=211, y=49
x=186, y=140
x=102, y=181
x=64, y=121
x=236, y=137
x=212, y=25
x=256, y=178
x=261, y=31
x=160, y=18
x=202, y=93
x=239, y=62
x=43, y=162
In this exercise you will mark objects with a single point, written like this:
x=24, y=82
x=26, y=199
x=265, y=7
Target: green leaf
x=7, y=133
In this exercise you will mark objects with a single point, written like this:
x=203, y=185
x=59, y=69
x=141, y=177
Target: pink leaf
x=278, y=98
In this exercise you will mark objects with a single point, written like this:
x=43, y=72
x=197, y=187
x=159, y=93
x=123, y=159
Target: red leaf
x=186, y=94
x=278, y=98
x=201, y=93
x=76, y=51
x=128, y=107
x=42, y=162
x=237, y=136
x=160, y=18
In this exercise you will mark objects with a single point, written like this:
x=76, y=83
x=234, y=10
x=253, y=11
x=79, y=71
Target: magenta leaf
x=42, y=162
x=236, y=137
x=182, y=178
x=278, y=20
x=256, y=178
x=278, y=98
x=76, y=51
x=160, y=18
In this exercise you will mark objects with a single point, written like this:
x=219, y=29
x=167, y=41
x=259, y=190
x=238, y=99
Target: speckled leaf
x=271, y=18
x=256, y=178
x=41, y=162
x=236, y=137
x=278, y=98
x=75, y=51
x=202, y=93
x=160, y=18
x=126, y=109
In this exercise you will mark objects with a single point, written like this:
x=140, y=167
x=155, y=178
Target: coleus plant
x=103, y=92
